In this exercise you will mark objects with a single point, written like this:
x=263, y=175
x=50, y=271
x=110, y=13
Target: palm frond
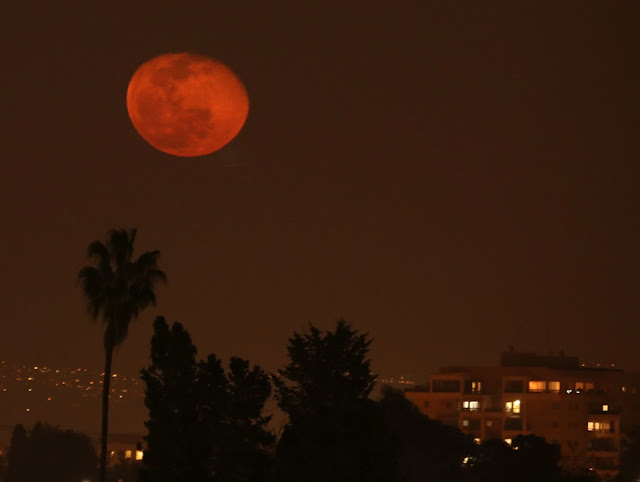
x=148, y=260
x=117, y=288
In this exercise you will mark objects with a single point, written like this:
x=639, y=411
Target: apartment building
x=582, y=409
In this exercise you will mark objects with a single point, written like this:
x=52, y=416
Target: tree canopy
x=204, y=424
x=334, y=432
x=51, y=454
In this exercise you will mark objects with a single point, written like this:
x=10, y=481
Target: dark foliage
x=325, y=371
x=630, y=460
x=50, y=454
x=583, y=475
x=427, y=450
x=116, y=286
x=529, y=459
x=204, y=425
x=334, y=433
x=124, y=471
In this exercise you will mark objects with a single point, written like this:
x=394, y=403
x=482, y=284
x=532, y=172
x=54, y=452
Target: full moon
x=186, y=104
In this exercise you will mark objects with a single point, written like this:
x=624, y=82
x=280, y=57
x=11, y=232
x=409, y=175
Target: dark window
x=448, y=386
x=513, y=424
x=513, y=386
x=603, y=444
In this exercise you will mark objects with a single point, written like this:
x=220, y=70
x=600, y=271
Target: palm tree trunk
x=106, y=384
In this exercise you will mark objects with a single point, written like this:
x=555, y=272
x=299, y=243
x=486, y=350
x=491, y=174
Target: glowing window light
x=537, y=386
x=513, y=407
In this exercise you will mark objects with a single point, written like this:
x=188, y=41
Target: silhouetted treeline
x=50, y=454
x=206, y=424
x=334, y=431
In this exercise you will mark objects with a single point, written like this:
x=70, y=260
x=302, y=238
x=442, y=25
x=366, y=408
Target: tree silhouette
x=204, y=425
x=117, y=288
x=427, y=450
x=334, y=432
x=49, y=453
x=17, y=455
x=529, y=459
x=325, y=370
x=630, y=459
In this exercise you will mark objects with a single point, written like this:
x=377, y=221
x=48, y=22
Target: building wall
x=583, y=410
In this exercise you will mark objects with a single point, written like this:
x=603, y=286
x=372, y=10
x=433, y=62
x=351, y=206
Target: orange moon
x=186, y=104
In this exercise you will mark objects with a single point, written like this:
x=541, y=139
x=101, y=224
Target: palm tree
x=117, y=289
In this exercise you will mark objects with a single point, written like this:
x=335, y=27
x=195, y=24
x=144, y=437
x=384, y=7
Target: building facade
x=585, y=410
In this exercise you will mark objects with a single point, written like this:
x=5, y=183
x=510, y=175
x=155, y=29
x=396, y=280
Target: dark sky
x=452, y=177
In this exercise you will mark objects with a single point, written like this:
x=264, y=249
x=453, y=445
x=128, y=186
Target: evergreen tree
x=427, y=450
x=334, y=432
x=204, y=425
x=529, y=459
x=51, y=454
x=17, y=454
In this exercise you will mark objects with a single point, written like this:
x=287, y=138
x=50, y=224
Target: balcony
x=513, y=424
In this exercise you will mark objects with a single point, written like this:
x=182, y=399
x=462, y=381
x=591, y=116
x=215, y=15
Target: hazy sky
x=452, y=177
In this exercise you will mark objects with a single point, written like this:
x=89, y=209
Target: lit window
x=588, y=386
x=476, y=387
x=476, y=440
x=508, y=441
x=489, y=423
x=537, y=386
x=554, y=386
x=605, y=408
x=465, y=423
x=139, y=454
x=127, y=454
x=579, y=386
x=513, y=407
x=600, y=426
x=471, y=405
